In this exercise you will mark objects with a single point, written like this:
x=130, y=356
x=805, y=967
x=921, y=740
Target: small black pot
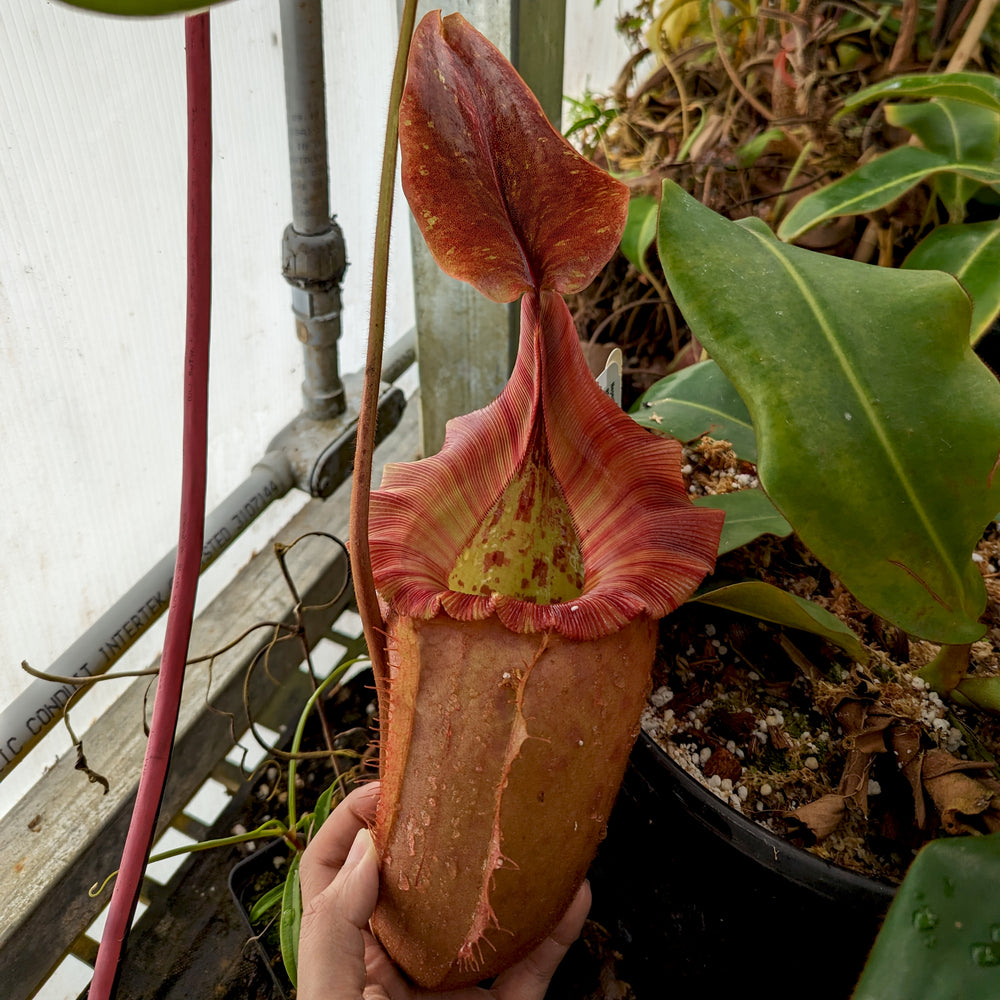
x=697, y=897
x=246, y=881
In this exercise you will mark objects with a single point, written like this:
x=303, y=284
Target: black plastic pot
x=245, y=881
x=697, y=897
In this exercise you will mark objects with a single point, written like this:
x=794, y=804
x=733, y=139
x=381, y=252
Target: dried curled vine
x=282, y=632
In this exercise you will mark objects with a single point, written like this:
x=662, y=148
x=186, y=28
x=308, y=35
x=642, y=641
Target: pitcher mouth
x=644, y=546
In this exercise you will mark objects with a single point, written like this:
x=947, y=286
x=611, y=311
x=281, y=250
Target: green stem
x=334, y=677
x=272, y=828
x=946, y=671
x=800, y=162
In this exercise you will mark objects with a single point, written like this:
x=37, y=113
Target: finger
x=383, y=975
x=331, y=956
x=326, y=852
x=529, y=979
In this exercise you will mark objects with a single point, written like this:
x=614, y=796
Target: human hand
x=339, y=959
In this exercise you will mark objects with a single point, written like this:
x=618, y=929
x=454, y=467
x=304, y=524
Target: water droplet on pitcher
x=403, y=882
x=985, y=954
x=924, y=919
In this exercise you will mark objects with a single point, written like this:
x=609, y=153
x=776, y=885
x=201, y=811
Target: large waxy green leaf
x=142, y=8
x=956, y=129
x=749, y=514
x=879, y=183
x=952, y=128
x=941, y=937
x=975, y=88
x=878, y=429
x=772, y=604
x=698, y=400
x=971, y=252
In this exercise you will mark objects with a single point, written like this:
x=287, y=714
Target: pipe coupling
x=315, y=263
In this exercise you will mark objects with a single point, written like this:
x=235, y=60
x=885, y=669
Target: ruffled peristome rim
x=645, y=546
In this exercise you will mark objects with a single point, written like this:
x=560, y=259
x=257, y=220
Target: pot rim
x=751, y=839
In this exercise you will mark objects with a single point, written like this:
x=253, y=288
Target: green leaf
x=751, y=151
x=749, y=514
x=694, y=401
x=290, y=922
x=142, y=8
x=975, y=88
x=878, y=428
x=982, y=692
x=941, y=937
x=971, y=252
x=772, y=604
x=877, y=184
x=324, y=804
x=955, y=129
x=640, y=229
x=952, y=128
x=267, y=902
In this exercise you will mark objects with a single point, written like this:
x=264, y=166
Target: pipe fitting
x=314, y=263
x=320, y=453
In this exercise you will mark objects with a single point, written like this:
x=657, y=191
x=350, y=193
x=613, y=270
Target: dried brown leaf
x=822, y=816
x=966, y=805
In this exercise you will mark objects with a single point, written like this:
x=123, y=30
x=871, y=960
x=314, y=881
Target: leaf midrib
x=877, y=425
x=701, y=407
x=976, y=253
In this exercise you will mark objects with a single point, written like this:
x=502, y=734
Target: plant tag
x=610, y=380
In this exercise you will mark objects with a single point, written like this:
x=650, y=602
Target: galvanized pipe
x=302, y=50
x=313, y=254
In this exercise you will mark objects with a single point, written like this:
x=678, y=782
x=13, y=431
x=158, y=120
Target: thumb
x=331, y=944
x=355, y=889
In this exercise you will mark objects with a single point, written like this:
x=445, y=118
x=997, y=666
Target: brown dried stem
x=361, y=564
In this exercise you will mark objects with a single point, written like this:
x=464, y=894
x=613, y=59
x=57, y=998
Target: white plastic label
x=610, y=380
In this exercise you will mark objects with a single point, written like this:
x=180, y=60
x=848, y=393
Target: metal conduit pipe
x=305, y=105
x=298, y=462
x=313, y=255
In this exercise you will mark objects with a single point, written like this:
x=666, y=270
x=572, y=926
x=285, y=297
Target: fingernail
x=360, y=847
